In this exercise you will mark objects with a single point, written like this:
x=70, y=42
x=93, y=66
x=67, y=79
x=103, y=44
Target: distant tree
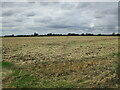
x=89, y=34
x=12, y=35
x=118, y=34
x=82, y=34
x=99, y=34
x=49, y=34
x=113, y=33
x=36, y=34
x=72, y=34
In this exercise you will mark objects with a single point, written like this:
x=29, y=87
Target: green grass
x=7, y=65
x=116, y=54
x=24, y=81
x=15, y=73
x=19, y=77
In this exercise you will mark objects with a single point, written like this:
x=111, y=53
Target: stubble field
x=60, y=62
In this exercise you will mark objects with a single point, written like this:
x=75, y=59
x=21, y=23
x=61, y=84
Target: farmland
x=60, y=62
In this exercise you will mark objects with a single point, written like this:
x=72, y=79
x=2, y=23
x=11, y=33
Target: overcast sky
x=64, y=17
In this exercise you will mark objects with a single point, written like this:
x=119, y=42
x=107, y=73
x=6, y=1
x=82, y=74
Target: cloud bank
x=59, y=17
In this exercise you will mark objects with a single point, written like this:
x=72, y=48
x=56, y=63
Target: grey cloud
x=31, y=2
x=59, y=26
x=83, y=5
x=8, y=4
x=34, y=28
x=48, y=3
x=30, y=14
x=8, y=25
x=43, y=20
x=19, y=20
x=7, y=13
x=44, y=3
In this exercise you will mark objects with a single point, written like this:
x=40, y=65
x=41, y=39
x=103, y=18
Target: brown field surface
x=60, y=62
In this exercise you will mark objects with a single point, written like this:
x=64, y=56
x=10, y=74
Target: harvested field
x=60, y=62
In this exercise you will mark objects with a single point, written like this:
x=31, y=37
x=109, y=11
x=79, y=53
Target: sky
x=59, y=17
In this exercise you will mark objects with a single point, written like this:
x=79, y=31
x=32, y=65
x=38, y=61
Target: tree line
x=69, y=34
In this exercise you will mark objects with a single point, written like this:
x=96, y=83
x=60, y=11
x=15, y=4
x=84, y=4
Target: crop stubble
x=66, y=61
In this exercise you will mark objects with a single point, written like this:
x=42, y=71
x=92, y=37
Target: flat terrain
x=60, y=62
